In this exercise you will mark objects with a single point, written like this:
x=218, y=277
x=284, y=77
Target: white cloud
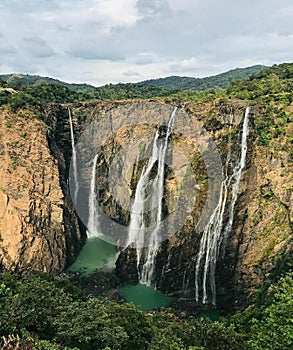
x=101, y=41
x=119, y=13
x=130, y=73
x=6, y=48
x=37, y=47
x=185, y=65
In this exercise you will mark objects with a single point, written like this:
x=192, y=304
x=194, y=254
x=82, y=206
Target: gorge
x=164, y=180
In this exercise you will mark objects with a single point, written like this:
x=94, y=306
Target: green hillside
x=270, y=81
x=218, y=81
x=145, y=89
x=29, y=80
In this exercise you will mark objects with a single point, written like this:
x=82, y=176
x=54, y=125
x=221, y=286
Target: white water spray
x=154, y=194
x=74, y=159
x=237, y=173
x=93, y=218
x=214, y=235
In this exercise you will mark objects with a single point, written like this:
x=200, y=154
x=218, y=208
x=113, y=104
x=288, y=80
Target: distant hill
x=29, y=80
x=174, y=82
x=220, y=80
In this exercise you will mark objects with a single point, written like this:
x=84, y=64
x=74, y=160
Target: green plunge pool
x=147, y=298
x=95, y=254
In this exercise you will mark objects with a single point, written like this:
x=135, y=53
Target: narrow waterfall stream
x=93, y=229
x=214, y=234
x=237, y=173
x=153, y=190
x=96, y=253
x=74, y=159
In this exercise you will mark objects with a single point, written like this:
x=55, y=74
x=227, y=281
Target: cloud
x=285, y=33
x=29, y=6
x=185, y=65
x=153, y=8
x=122, y=12
x=95, y=51
x=5, y=47
x=38, y=47
x=101, y=41
x=145, y=58
x=131, y=73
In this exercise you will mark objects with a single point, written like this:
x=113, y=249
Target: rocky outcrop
x=33, y=206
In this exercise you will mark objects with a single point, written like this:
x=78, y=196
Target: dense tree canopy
x=41, y=312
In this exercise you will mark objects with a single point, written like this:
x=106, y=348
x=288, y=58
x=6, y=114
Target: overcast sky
x=103, y=41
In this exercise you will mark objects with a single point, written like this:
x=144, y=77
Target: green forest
x=42, y=312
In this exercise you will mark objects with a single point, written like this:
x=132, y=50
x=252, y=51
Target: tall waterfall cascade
x=153, y=190
x=93, y=228
x=74, y=158
x=216, y=233
x=93, y=219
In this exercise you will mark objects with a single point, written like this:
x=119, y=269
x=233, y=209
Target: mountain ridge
x=28, y=80
x=220, y=80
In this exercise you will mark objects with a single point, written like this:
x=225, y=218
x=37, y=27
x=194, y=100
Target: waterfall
x=93, y=218
x=152, y=191
x=237, y=173
x=214, y=234
x=74, y=159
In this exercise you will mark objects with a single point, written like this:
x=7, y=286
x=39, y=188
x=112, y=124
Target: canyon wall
x=38, y=227
x=40, y=232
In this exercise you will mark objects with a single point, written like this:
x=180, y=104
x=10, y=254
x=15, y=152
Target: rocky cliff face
x=264, y=224
x=40, y=231
x=34, y=209
x=260, y=238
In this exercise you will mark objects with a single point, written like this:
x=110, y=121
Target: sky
x=111, y=41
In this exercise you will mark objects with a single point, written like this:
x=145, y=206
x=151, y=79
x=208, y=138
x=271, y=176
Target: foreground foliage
x=43, y=312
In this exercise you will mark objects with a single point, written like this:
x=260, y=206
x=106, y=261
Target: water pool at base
x=95, y=254
x=147, y=298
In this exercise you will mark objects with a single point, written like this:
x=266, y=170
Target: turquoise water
x=147, y=298
x=95, y=254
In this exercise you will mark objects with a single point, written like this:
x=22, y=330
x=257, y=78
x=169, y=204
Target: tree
x=36, y=304
x=274, y=329
x=88, y=326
